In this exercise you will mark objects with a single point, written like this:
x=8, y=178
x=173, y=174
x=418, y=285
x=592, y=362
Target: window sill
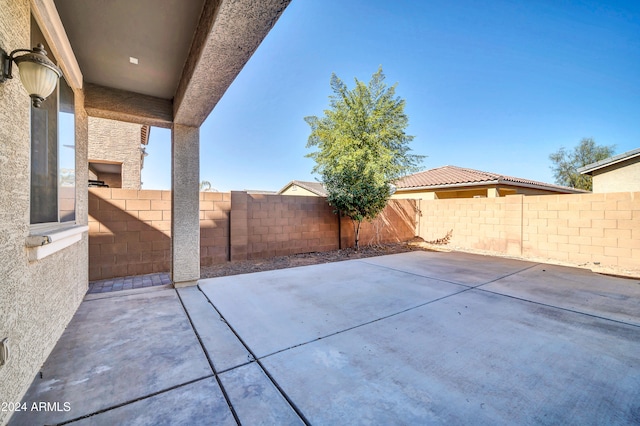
x=42, y=245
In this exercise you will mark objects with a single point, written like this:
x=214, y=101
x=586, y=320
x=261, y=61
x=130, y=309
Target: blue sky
x=495, y=86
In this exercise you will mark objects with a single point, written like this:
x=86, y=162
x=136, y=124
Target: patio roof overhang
x=163, y=63
x=188, y=53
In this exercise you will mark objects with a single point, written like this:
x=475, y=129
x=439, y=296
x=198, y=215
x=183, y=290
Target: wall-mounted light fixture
x=38, y=74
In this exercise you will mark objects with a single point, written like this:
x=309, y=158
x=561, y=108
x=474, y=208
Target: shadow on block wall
x=130, y=230
x=397, y=223
x=214, y=227
x=128, y=235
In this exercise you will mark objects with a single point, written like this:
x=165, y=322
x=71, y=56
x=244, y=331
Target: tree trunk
x=357, y=226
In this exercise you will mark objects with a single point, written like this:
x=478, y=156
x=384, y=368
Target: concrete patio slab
x=255, y=398
x=416, y=338
x=475, y=357
x=199, y=403
x=275, y=310
x=117, y=350
x=575, y=289
x=222, y=346
x=460, y=268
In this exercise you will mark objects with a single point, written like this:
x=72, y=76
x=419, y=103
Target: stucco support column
x=185, y=205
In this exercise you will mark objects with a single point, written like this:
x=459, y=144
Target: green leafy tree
x=362, y=147
x=566, y=163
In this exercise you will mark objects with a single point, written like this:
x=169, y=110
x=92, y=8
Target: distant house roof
x=453, y=176
x=260, y=192
x=590, y=168
x=315, y=187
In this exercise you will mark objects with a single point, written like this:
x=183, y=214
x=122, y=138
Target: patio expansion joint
x=369, y=322
x=546, y=305
x=293, y=406
x=540, y=303
x=508, y=275
x=416, y=274
x=210, y=361
x=451, y=282
x=465, y=289
x=122, y=404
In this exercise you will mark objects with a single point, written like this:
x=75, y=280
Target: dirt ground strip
x=417, y=244
x=304, y=259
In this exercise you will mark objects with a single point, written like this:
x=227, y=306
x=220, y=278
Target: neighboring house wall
x=38, y=298
x=115, y=141
x=469, y=192
x=297, y=190
x=302, y=188
x=130, y=231
x=624, y=176
x=575, y=228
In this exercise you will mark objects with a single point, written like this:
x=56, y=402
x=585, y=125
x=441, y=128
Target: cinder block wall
x=575, y=228
x=583, y=228
x=130, y=231
x=215, y=210
x=396, y=223
x=276, y=225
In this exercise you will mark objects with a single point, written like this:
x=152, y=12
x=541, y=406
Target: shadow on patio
x=413, y=338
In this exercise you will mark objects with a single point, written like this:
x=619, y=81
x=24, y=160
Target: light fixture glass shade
x=37, y=79
x=38, y=74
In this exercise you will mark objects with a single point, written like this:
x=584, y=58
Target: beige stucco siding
x=622, y=177
x=116, y=141
x=469, y=192
x=298, y=190
x=37, y=299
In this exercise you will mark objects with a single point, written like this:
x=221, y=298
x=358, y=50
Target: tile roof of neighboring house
x=453, y=176
x=315, y=187
x=589, y=168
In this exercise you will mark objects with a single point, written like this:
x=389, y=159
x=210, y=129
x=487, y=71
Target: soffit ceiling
x=104, y=34
x=106, y=167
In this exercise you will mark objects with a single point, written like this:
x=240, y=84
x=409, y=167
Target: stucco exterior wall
x=624, y=176
x=116, y=141
x=298, y=190
x=37, y=299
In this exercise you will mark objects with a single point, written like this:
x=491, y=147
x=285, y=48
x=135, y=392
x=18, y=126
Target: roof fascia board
x=449, y=185
x=121, y=105
x=287, y=186
x=226, y=37
x=489, y=183
x=588, y=169
x=46, y=15
x=544, y=187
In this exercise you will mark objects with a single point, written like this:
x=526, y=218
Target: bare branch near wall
x=442, y=241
